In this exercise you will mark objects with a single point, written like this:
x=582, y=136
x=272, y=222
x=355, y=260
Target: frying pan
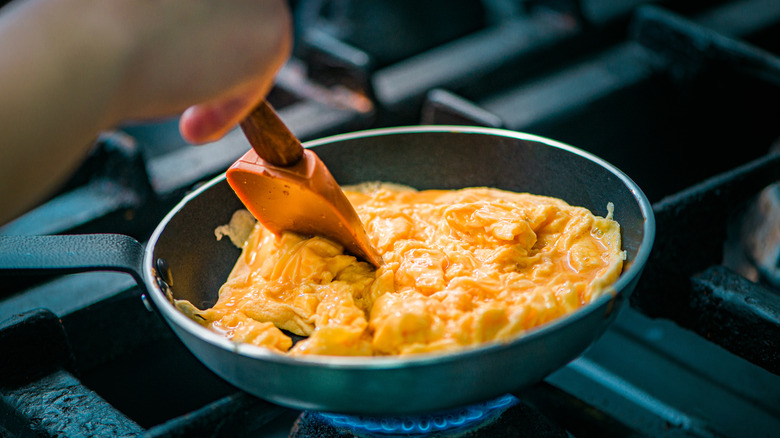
x=183, y=259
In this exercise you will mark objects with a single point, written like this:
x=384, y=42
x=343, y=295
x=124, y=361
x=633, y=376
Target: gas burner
x=503, y=416
x=461, y=418
x=752, y=247
x=761, y=234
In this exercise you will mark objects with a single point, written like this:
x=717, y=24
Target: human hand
x=216, y=59
x=72, y=68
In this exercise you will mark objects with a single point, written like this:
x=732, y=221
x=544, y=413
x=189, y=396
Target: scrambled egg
x=461, y=268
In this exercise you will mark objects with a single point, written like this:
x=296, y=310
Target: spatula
x=288, y=188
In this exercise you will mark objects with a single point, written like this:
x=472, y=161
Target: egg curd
x=461, y=268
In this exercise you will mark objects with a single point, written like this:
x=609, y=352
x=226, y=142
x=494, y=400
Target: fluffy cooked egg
x=461, y=268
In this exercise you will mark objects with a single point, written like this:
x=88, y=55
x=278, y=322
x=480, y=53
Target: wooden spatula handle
x=270, y=138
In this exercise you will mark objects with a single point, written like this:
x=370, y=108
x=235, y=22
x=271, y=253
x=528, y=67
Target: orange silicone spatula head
x=288, y=188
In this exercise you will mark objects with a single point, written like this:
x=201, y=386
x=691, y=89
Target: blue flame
x=424, y=424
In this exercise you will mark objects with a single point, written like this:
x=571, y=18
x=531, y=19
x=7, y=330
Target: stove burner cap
x=457, y=418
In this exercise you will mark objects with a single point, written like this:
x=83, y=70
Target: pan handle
x=67, y=254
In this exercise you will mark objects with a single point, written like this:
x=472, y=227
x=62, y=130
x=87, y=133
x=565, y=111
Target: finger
x=211, y=121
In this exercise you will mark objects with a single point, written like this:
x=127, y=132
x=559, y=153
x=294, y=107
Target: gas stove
x=679, y=97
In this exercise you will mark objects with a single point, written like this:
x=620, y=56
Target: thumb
x=210, y=121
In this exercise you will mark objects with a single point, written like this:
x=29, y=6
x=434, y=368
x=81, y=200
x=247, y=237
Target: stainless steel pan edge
x=393, y=385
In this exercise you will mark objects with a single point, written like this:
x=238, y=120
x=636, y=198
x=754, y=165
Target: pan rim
x=375, y=363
